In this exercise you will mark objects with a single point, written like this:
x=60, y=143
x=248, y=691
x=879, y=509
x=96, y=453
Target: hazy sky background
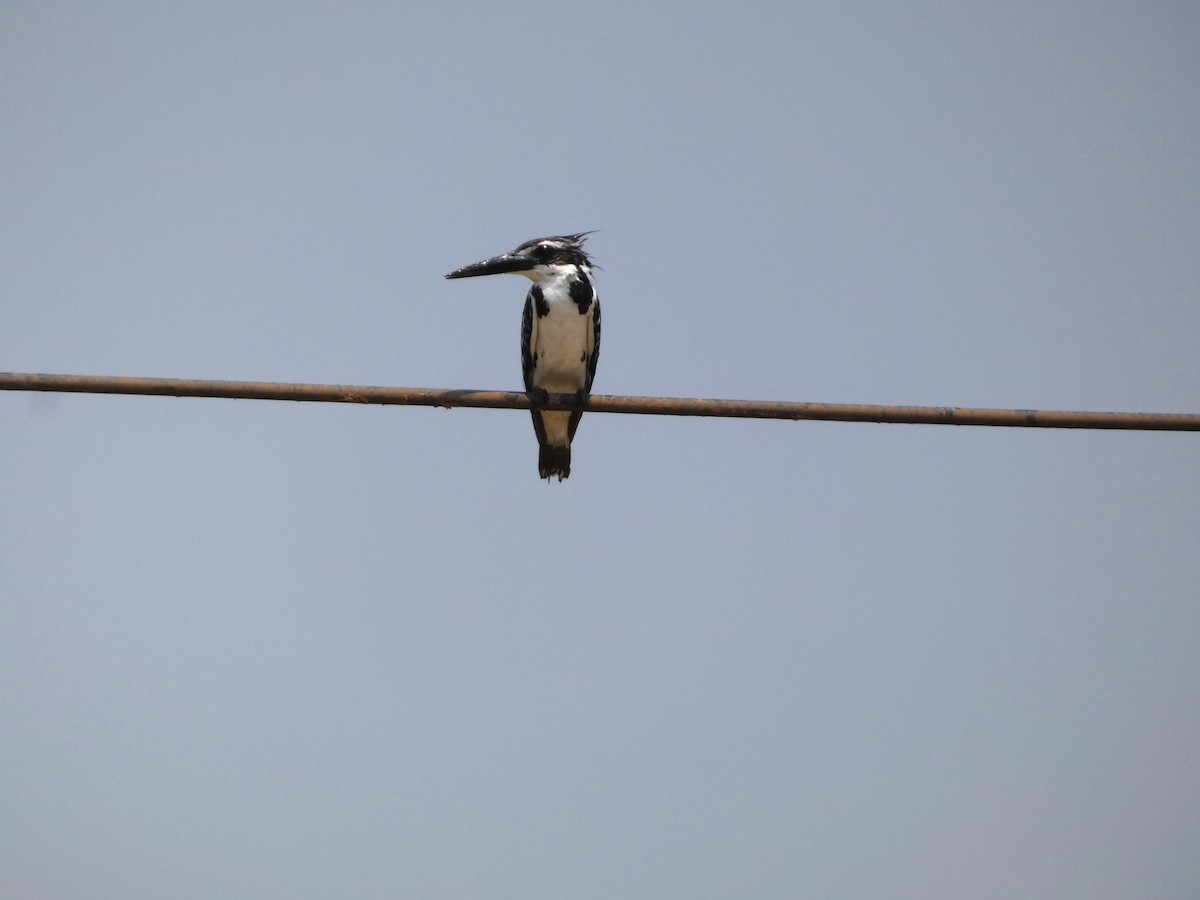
x=253, y=649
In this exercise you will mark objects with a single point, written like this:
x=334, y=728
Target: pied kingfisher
x=560, y=335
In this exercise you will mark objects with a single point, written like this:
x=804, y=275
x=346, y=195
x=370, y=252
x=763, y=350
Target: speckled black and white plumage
x=560, y=335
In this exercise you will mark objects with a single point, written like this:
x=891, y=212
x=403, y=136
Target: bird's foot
x=539, y=396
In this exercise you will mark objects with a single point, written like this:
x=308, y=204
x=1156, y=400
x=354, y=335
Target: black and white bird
x=560, y=335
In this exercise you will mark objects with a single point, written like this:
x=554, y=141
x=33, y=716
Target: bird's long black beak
x=497, y=265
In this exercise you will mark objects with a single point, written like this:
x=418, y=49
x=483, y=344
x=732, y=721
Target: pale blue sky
x=253, y=649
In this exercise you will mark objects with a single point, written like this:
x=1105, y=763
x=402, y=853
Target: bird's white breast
x=563, y=340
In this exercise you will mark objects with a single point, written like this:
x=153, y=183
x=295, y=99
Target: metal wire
x=661, y=406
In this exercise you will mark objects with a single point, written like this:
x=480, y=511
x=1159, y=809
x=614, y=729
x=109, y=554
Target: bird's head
x=538, y=260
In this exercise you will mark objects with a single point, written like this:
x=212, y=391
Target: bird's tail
x=554, y=461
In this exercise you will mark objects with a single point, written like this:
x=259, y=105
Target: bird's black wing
x=591, y=363
x=593, y=357
x=527, y=343
x=527, y=326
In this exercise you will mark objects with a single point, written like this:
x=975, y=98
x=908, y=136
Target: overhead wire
x=601, y=403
